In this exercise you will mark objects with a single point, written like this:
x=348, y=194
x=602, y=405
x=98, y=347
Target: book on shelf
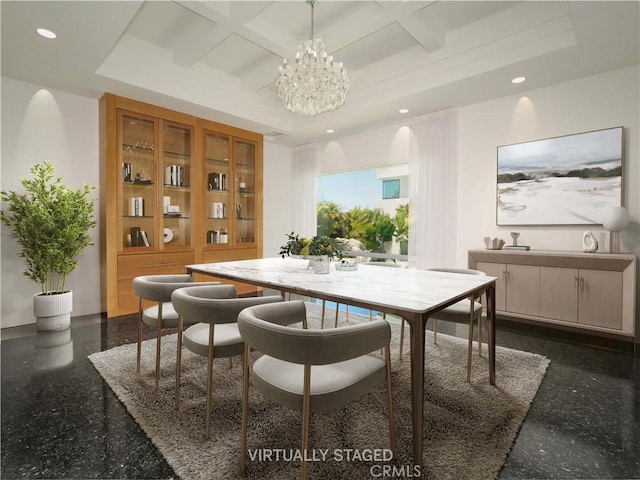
x=145, y=239
x=174, y=175
x=127, y=175
x=136, y=207
x=217, y=181
x=136, y=240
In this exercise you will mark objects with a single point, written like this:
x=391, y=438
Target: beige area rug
x=469, y=428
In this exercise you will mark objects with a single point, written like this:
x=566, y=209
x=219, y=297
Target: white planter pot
x=53, y=312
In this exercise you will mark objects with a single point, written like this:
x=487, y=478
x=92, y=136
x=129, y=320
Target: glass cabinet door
x=244, y=157
x=176, y=186
x=217, y=175
x=138, y=194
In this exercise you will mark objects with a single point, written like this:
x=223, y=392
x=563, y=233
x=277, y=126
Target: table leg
x=491, y=317
x=417, y=337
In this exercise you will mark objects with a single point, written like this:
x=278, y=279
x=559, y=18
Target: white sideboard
x=586, y=291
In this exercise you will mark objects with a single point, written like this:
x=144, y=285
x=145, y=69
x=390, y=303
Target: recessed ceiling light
x=403, y=110
x=329, y=131
x=518, y=80
x=46, y=33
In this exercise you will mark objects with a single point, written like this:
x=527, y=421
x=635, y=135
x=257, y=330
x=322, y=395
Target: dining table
x=410, y=293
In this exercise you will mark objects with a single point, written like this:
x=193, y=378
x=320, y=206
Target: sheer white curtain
x=433, y=165
x=304, y=167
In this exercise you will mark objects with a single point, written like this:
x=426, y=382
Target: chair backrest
x=213, y=303
x=266, y=329
x=158, y=288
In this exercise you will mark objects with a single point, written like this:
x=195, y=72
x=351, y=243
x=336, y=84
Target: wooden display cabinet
x=168, y=181
x=231, y=200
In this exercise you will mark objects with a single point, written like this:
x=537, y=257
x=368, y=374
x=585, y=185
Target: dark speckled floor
x=60, y=420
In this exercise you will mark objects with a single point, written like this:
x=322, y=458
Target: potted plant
x=52, y=225
x=323, y=249
x=294, y=245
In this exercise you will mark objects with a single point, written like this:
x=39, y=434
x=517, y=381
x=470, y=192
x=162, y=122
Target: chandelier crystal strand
x=314, y=83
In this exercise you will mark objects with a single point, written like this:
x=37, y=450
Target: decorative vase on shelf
x=589, y=242
x=321, y=264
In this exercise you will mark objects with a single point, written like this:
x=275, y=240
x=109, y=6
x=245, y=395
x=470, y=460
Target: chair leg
x=178, y=362
x=435, y=331
x=390, y=415
x=347, y=310
x=207, y=407
x=401, y=337
x=469, y=351
x=306, y=407
x=337, y=311
x=324, y=304
x=470, y=347
x=139, y=335
x=158, y=343
x=245, y=408
x=480, y=335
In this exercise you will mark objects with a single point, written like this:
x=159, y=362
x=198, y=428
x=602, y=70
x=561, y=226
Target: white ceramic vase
x=53, y=312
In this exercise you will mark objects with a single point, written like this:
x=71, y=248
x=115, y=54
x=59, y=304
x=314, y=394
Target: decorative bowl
x=493, y=243
x=346, y=267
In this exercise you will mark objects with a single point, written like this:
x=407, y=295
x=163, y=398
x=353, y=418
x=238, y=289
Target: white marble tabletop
x=412, y=294
x=382, y=288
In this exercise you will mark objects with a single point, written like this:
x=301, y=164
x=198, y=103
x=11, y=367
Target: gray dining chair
x=160, y=315
x=311, y=370
x=212, y=311
x=465, y=311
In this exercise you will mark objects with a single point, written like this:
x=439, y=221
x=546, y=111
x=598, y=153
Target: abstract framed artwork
x=566, y=180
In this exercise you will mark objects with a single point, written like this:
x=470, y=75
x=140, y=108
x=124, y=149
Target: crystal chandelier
x=314, y=83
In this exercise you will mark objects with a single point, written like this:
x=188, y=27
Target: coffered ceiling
x=219, y=59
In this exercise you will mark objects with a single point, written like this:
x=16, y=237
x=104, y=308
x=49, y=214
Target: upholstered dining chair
x=465, y=311
x=311, y=370
x=212, y=311
x=161, y=315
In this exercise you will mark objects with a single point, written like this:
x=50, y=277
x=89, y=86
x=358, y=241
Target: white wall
x=607, y=100
x=64, y=129
x=376, y=148
x=38, y=125
x=277, y=197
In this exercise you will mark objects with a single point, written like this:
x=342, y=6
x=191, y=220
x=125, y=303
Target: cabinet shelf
x=184, y=156
x=138, y=184
x=138, y=148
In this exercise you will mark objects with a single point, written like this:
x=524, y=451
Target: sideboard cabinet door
x=523, y=289
x=559, y=293
x=600, y=295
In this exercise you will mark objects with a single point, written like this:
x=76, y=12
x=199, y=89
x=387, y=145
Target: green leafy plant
x=401, y=221
x=385, y=228
x=294, y=245
x=52, y=225
x=324, y=245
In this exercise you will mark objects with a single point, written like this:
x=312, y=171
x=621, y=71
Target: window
x=390, y=189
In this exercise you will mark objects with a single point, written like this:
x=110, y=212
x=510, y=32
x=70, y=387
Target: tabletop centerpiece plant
x=320, y=250
x=52, y=225
x=323, y=249
x=295, y=246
